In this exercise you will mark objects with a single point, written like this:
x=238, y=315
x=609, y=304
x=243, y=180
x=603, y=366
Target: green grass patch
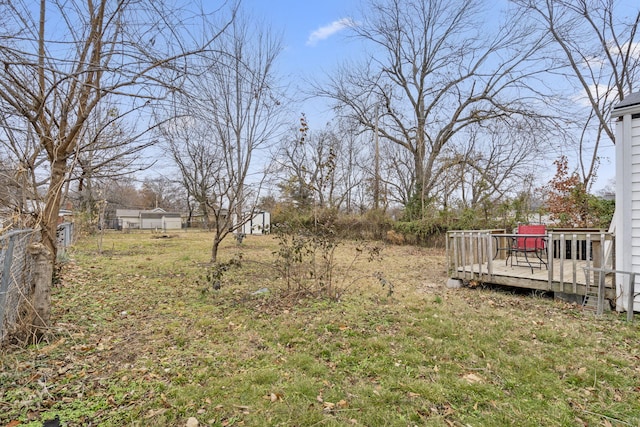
x=138, y=339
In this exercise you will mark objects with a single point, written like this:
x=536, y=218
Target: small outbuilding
x=260, y=223
x=155, y=219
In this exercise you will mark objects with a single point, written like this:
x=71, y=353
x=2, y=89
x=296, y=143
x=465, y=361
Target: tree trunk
x=42, y=279
x=214, y=248
x=53, y=200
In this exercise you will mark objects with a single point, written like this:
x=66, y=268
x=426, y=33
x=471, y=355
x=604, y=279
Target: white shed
x=260, y=223
x=627, y=216
x=160, y=219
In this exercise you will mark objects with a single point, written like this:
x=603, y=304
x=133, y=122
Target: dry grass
x=140, y=339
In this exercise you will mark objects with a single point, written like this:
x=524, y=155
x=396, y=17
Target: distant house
x=128, y=218
x=155, y=219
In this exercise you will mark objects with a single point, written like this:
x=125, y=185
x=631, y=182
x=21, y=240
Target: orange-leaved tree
x=567, y=199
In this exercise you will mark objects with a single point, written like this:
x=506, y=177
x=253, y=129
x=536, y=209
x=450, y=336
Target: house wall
x=172, y=223
x=161, y=223
x=129, y=222
x=628, y=205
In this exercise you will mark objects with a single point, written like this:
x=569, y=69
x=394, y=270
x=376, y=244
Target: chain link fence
x=16, y=272
x=16, y=269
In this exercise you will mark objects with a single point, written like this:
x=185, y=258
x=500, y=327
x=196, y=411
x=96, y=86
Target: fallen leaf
x=328, y=406
x=274, y=397
x=342, y=404
x=412, y=394
x=48, y=349
x=473, y=378
x=154, y=412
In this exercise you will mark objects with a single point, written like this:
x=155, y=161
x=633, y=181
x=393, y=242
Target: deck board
x=523, y=277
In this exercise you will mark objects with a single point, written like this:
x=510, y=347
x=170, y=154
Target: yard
x=141, y=339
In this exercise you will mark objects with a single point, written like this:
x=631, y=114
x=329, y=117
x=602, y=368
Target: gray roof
x=127, y=212
x=628, y=101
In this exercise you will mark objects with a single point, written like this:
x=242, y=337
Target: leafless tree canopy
x=324, y=168
x=594, y=44
x=230, y=108
x=62, y=61
x=431, y=74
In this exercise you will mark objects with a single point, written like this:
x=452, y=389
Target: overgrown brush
x=305, y=260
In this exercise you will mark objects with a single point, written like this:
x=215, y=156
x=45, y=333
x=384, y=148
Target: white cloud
x=327, y=31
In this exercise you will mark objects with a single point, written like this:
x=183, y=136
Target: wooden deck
x=572, y=281
x=477, y=255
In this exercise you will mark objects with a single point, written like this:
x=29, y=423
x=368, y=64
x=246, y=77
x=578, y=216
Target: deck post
x=600, y=252
x=550, y=245
x=489, y=255
x=456, y=251
x=600, y=308
x=574, y=259
x=563, y=255
x=631, y=296
x=464, y=256
x=475, y=253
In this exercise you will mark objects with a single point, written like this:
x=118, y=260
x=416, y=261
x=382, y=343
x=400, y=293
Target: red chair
x=530, y=242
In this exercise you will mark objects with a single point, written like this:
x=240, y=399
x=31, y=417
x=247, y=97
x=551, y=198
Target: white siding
x=260, y=223
x=628, y=204
x=634, y=187
x=172, y=223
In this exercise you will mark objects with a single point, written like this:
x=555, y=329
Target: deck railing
x=477, y=254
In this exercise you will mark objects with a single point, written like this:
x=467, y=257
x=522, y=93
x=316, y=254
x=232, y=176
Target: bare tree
x=431, y=73
x=198, y=160
x=234, y=99
x=320, y=168
x=493, y=163
x=600, y=53
x=62, y=60
x=107, y=149
x=161, y=192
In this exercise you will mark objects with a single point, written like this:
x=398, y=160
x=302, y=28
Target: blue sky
x=313, y=37
x=315, y=41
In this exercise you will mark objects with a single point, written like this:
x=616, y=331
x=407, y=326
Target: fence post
x=6, y=276
x=42, y=279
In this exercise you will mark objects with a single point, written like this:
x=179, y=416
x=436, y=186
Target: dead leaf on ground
x=155, y=412
x=328, y=406
x=274, y=397
x=473, y=378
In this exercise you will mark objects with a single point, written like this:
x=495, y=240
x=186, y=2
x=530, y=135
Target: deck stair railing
x=594, y=299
